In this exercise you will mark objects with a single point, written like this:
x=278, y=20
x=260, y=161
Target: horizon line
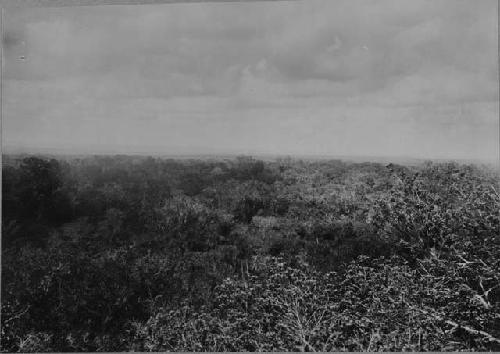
x=151, y=151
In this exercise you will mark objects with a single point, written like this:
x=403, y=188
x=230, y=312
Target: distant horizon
x=171, y=153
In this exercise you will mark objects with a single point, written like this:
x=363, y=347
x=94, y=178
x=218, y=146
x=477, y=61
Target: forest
x=137, y=253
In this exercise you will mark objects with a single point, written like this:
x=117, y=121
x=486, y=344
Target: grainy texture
x=120, y=253
x=59, y=3
x=134, y=217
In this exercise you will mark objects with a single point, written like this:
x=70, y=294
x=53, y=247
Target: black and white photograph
x=239, y=176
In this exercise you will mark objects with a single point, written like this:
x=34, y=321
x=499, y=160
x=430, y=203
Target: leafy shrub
x=373, y=304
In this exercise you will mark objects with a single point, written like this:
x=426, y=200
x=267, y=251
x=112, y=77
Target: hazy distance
x=332, y=78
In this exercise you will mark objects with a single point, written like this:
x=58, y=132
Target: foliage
x=140, y=253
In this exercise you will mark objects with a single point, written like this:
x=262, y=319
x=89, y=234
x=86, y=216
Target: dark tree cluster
x=119, y=253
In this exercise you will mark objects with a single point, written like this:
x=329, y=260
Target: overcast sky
x=334, y=77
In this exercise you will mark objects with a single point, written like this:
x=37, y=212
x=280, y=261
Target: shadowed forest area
x=119, y=253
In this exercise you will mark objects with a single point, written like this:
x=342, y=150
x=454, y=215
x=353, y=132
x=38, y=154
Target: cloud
x=315, y=76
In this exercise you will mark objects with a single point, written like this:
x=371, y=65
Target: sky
x=415, y=78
